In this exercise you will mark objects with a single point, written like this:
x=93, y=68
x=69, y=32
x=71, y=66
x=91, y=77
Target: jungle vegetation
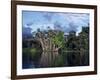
x=52, y=48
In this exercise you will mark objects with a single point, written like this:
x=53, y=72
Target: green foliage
x=84, y=40
x=78, y=42
x=26, y=50
x=58, y=61
x=32, y=52
x=58, y=39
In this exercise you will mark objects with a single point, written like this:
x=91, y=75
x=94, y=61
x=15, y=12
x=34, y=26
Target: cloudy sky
x=55, y=20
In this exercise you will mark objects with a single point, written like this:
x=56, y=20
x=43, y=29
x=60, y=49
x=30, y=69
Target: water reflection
x=56, y=59
x=47, y=59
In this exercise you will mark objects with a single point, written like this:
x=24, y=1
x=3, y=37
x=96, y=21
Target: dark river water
x=55, y=59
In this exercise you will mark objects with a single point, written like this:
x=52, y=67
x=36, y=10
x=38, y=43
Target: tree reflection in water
x=56, y=59
x=48, y=58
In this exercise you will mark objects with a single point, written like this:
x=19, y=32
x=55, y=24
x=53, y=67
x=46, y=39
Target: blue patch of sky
x=55, y=20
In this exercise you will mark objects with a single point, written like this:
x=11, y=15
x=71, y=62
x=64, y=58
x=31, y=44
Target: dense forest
x=54, y=48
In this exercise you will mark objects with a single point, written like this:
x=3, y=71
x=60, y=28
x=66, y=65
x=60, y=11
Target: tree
x=72, y=41
x=84, y=46
x=58, y=40
x=50, y=40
